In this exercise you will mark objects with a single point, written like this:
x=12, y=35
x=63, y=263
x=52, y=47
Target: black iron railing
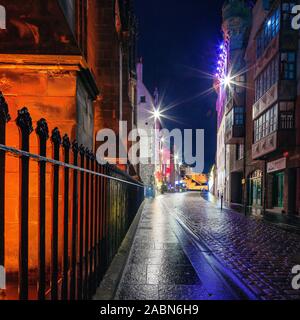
x=92, y=208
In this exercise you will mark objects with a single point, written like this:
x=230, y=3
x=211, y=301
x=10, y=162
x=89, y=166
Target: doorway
x=278, y=190
x=255, y=189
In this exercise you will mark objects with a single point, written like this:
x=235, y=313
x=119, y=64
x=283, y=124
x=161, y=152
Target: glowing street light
x=157, y=114
x=227, y=81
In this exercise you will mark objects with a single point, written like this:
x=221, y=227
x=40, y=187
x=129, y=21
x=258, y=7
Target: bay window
x=266, y=123
x=235, y=117
x=267, y=78
x=268, y=33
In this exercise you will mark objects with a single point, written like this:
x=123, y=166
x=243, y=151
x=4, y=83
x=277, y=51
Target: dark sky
x=177, y=40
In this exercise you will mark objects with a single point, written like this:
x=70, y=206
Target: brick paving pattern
x=260, y=253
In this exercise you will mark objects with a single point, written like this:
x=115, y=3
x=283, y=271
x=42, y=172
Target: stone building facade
x=71, y=62
x=112, y=26
x=263, y=156
x=275, y=154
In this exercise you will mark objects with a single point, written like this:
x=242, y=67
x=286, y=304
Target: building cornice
x=34, y=61
x=53, y=63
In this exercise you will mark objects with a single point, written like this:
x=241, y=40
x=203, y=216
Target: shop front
x=276, y=182
x=278, y=188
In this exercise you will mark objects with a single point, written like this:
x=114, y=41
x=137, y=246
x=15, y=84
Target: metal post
x=101, y=224
x=43, y=134
x=91, y=229
x=4, y=118
x=81, y=221
x=66, y=146
x=24, y=123
x=87, y=226
x=96, y=227
x=75, y=150
x=106, y=221
x=56, y=141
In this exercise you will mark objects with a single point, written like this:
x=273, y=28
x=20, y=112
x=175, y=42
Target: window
x=81, y=22
x=229, y=120
x=286, y=116
x=239, y=116
x=68, y=7
x=2, y=18
x=287, y=13
x=239, y=83
x=270, y=75
x=267, y=78
x=143, y=99
x=235, y=118
x=288, y=65
x=268, y=33
x=239, y=151
x=266, y=124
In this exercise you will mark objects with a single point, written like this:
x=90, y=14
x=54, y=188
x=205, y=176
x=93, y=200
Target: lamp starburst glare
x=227, y=81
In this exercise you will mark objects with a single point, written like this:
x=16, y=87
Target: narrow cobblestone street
x=186, y=248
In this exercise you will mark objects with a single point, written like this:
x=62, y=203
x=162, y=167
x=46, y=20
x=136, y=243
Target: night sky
x=178, y=40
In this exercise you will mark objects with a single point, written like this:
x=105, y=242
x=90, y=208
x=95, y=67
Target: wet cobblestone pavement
x=165, y=263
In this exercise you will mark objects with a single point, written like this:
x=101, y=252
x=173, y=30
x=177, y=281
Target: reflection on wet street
x=165, y=264
x=187, y=248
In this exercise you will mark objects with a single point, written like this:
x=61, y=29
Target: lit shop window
x=267, y=78
x=288, y=65
x=266, y=124
x=268, y=33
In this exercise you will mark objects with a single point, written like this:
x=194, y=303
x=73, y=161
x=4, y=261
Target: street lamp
x=227, y=81
x=156, y=114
